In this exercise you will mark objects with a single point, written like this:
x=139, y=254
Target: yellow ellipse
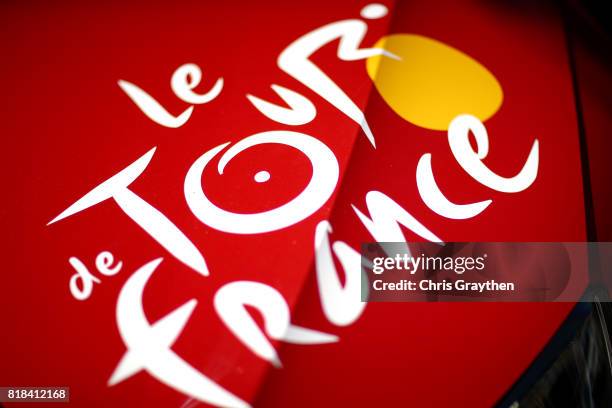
x=433, y=82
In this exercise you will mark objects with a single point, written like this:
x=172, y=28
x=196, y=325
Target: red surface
x=67, y=126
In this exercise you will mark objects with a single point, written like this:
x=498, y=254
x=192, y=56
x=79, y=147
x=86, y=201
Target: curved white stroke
x=341, y=304
x=299, y=112
x=229, y=304
x=149, y=345
x=386, y=216
x=153, y=109
x=295, y=61
x=186, y=78
x=437, y=201
x=325, y=173
x=458, y=139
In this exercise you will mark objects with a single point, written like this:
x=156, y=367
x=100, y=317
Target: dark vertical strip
x=596, y=285
x=581, y=310
x=584, y=153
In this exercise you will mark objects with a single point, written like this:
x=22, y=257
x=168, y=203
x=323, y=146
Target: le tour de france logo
x=412, y=73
